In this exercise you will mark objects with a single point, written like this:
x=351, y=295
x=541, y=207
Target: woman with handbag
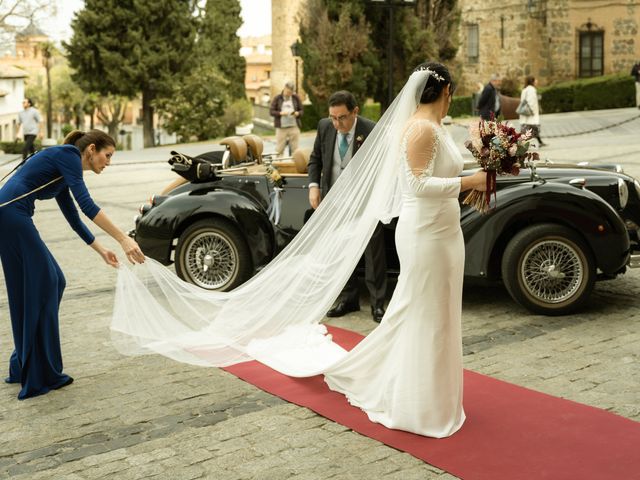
x=529, y=109
x=34, y=280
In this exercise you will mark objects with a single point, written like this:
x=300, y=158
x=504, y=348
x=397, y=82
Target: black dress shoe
x=377, y=313
x=342, y=308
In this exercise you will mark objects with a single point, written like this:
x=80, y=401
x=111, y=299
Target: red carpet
x=510, y=432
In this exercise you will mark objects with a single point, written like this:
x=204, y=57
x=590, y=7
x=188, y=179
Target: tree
x=442, y=18
x=68, y=99
x=219, y=44
x=424, y=31
x=197, y=104
x=16, y=12
x=206, y=102
x=110, y=111
x=69, y=103
x=132, y=47
x=48, y=50
x=337, y=52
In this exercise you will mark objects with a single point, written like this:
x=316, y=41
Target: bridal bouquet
x=500, y=150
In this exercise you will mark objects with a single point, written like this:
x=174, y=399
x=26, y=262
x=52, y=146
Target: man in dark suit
x=489, y=101
x=337, y=140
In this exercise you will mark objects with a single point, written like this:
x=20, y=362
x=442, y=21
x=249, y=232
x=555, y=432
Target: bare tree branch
x=13, y=13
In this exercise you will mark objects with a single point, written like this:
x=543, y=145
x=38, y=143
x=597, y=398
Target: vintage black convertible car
x=556, y=230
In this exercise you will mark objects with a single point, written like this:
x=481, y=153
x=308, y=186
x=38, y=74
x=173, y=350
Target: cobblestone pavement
x=150, y=417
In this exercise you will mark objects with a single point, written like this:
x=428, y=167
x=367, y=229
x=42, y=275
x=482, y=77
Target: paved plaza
x=150, y=417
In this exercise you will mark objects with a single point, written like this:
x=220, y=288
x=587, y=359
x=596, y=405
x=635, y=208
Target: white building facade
x=11, y=96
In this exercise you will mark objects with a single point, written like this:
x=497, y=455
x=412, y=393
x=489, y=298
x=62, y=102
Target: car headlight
x=637, y=185
x=623, y=193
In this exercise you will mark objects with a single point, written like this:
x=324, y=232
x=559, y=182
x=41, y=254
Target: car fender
x=174, y=215
x=528, y=203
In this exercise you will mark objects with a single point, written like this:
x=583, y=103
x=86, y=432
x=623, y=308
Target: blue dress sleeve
x=70, y=167
x=70, y=212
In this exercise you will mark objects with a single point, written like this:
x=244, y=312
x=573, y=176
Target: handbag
x=524, y=108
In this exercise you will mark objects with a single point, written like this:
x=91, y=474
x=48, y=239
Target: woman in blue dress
x=33, y=278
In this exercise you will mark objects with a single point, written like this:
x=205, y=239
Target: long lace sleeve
x=421, y=147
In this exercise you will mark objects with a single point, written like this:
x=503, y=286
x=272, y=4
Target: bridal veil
x=156, y=312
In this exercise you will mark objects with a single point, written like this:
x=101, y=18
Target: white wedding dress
x=406, y=374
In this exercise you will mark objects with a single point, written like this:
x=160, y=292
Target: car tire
x=212, y=254
x=548, y=269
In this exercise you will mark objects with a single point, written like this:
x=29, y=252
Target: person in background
x=531, y=122
x=34, y=281
x=489, y=101
x=635, y=73
x=29, y=124
x=286, y=109
x=338, y=139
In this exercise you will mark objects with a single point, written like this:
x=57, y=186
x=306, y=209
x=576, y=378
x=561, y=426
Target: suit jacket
x=635, y=72
x=321, y=158
x=276, y=108
x=487, y=102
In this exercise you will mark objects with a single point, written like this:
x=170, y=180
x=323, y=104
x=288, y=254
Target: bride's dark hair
x=434, y=86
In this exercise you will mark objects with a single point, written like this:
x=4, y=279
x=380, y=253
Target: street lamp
x=295, y=51
x=390, y=4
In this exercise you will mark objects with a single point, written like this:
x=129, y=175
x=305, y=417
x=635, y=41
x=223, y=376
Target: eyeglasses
x=340, y=119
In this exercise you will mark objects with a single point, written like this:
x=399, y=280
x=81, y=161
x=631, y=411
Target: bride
x=407, y=374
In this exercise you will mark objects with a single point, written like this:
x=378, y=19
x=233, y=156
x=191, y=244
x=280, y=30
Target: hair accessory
x=431, y=72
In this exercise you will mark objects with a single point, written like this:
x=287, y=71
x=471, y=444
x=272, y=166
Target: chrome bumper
x=634, y=260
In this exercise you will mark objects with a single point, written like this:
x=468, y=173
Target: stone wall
x=541, y=37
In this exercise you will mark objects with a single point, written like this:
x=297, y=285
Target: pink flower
x=476, y=139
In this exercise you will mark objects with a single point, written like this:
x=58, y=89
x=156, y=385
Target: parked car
x=557, y=228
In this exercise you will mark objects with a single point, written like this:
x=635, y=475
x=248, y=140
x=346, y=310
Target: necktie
x=343, y=146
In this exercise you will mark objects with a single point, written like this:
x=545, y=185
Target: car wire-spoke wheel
x=213, y=254
x=548, y=269
x=211, y=260
x=552, y=271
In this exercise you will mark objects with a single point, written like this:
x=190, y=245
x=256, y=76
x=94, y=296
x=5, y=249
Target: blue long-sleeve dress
x=33, y=278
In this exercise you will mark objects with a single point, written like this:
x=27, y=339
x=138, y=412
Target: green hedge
x=597, y=93
x=371, y=111
x=16, y=147
x=461, y=106
x=310, y=118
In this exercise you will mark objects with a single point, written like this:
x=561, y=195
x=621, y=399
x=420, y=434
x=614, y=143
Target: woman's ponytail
x=73, y=136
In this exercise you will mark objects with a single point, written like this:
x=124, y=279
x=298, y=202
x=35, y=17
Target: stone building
x=285, y=27
x=21, y=64
x=27, y=51
x=552, y=40
x=257, y=81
